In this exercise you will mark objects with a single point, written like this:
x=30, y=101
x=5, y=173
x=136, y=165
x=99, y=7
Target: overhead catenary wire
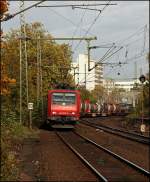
x=141, y=30
x=72, y=5
x=88, y=74
x=144, y=42
x=10, y=16
x=75, y=7
x=92, y=24
x=134, y=41
x=81, y=20
x=106, y=57
x=67, y=19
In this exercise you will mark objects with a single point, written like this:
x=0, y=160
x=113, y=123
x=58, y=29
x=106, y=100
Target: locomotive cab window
x=64, y=98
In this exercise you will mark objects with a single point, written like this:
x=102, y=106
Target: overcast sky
x=116, y=24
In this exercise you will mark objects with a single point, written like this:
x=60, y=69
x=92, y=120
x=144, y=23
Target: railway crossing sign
x=30, y=106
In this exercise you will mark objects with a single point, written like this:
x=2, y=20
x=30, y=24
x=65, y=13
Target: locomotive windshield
x=64, y=98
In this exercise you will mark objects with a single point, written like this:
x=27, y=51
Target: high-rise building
x=86, y=78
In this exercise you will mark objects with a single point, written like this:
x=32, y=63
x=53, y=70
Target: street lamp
x=142, y=80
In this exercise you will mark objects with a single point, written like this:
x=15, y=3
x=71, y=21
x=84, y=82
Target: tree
x=98, y=93
x=85, y=94
x=55, y=61
x=3, y=8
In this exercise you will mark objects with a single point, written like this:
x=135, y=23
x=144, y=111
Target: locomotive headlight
x=73, y=113
x=53, y=112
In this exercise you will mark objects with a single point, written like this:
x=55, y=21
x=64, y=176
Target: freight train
x=64, y=108
x=105, y=109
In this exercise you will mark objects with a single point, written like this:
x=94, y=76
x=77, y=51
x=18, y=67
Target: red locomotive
x=63, y=108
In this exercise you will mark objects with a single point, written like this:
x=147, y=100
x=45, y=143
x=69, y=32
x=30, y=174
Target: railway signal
x=142, y=80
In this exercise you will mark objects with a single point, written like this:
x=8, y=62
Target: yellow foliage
x=4, y=91
x=5, y=81
x=12, y=81
x=3, y=6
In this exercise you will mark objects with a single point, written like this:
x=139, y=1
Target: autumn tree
x=98, y=93
x=55, y=61
x=3, y=8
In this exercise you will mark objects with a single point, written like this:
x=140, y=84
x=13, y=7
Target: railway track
x=129, y=135
x=106, y=165
x=82, y=158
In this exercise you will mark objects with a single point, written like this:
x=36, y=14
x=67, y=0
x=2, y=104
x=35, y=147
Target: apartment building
x=86, y=78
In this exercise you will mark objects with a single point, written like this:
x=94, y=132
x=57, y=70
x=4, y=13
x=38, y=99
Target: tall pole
x=20, y=42
x=142, y=80
x=85, y=76
x=20, y=46
x=41, y=78
x=26, y=65
x=23, y=63
x=88, y=51
x=38, y=72
x=145, y=31
x=142, y=102
x=135, y=71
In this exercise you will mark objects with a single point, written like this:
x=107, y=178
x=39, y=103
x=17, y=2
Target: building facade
x=126, y=94
x=86, y=78
x=126, y=85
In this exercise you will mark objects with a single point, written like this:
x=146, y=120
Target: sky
x=125, y=24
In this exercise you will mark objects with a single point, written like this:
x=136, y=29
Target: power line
x=81, y=20
x=75, y=7
x=8, y=17
x=106, y=56
x=67, y=19
x=132, y=35
x=72, y=5
x=145, y=29
x=94, y=21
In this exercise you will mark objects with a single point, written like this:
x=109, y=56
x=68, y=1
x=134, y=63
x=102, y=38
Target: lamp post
x=142, y=80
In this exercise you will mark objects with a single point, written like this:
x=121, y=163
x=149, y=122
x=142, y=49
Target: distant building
x=126, y=85
x=127, y=94
x=108, y=84
x=83, y=76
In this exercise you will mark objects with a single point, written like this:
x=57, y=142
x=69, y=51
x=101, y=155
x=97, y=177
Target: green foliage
x=85, y=94
x=12, y=135
x=56, y=64
x=143, y=98
x=146, y=95
x=55, y=67
x=97, y=93
x=94, y=96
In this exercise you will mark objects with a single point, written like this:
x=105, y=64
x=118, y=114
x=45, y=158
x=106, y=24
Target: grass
x=12, y=135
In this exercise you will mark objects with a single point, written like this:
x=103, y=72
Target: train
x=65, y=107
x=89, y=109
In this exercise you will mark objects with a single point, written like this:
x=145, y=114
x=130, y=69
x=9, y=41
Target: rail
x=100, y=176
x=140, y=169
x=121, y=133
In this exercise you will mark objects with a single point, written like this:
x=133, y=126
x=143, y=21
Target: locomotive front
x=63, y=107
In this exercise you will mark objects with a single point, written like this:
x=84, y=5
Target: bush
x=12, y=135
